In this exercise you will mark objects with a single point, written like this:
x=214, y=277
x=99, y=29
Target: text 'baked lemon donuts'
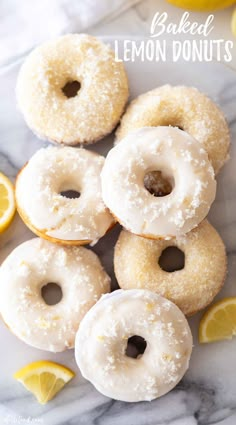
x=101, y=345
x=42, y=202
x=198, y=278
x=24, y=274
x=181, y=160
x=71, y=90
x=186, y=108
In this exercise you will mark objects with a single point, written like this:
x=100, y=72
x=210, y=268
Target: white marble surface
x=208, y=392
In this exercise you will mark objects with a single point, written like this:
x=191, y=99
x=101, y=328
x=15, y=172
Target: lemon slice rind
x=219, y=321
x=44, y=379
x=7, y=202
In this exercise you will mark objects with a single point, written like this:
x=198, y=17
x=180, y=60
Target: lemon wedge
x=7, y=202
x=202, y=5
x=44, y=379
x=219, y=321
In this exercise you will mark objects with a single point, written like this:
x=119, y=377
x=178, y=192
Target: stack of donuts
x=158, y=182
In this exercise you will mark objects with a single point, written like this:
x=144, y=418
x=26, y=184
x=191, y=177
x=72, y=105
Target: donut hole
x=172, y=259
x=174, y=122
x=51, y=293
x=157, y=184
x=71, y=89
x=70, y=194
x=136, y=345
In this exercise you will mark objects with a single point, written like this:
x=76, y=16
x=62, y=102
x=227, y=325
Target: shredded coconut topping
x=111, y=322
x=189, y=288
x=31, y=266
x=165, y=149
x=38, y=194
x=103, y=84
x=186, y=108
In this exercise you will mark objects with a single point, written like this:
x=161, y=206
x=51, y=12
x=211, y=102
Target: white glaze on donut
x=180, y=158
x=43, y=208
x=27, y=269
x=97, y=107
x=102, y=338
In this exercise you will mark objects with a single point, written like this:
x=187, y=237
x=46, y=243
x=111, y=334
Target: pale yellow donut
x=183, y=107
x=98, y=105
x=193, y=287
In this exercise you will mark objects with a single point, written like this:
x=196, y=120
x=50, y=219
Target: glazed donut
x=183, y=107
x=181, y=160
x=52, y=171
x=191, y=288
x=27, y=270
x=103, y=335
x=52, y=69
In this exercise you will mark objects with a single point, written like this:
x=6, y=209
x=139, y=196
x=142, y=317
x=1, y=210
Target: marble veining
x=207, y=394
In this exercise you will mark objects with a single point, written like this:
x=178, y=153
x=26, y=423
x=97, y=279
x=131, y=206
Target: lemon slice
x=44, y=379
x=7, y=202
x=233, y=22
x=202, y=5
x=219, y=321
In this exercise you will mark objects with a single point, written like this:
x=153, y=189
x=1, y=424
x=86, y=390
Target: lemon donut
x=181, y=160
x=27, y=270
x=183, y=107
x=191, y=288
x=40, y=184
x=103, y=336
x=85, y=67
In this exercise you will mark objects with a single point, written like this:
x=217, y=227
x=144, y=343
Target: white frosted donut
x=181, y=160
x=27, y=270
x=184, y=107
x=55, y=217
x=102, y=338
x=93, y=111
x=191, y=288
